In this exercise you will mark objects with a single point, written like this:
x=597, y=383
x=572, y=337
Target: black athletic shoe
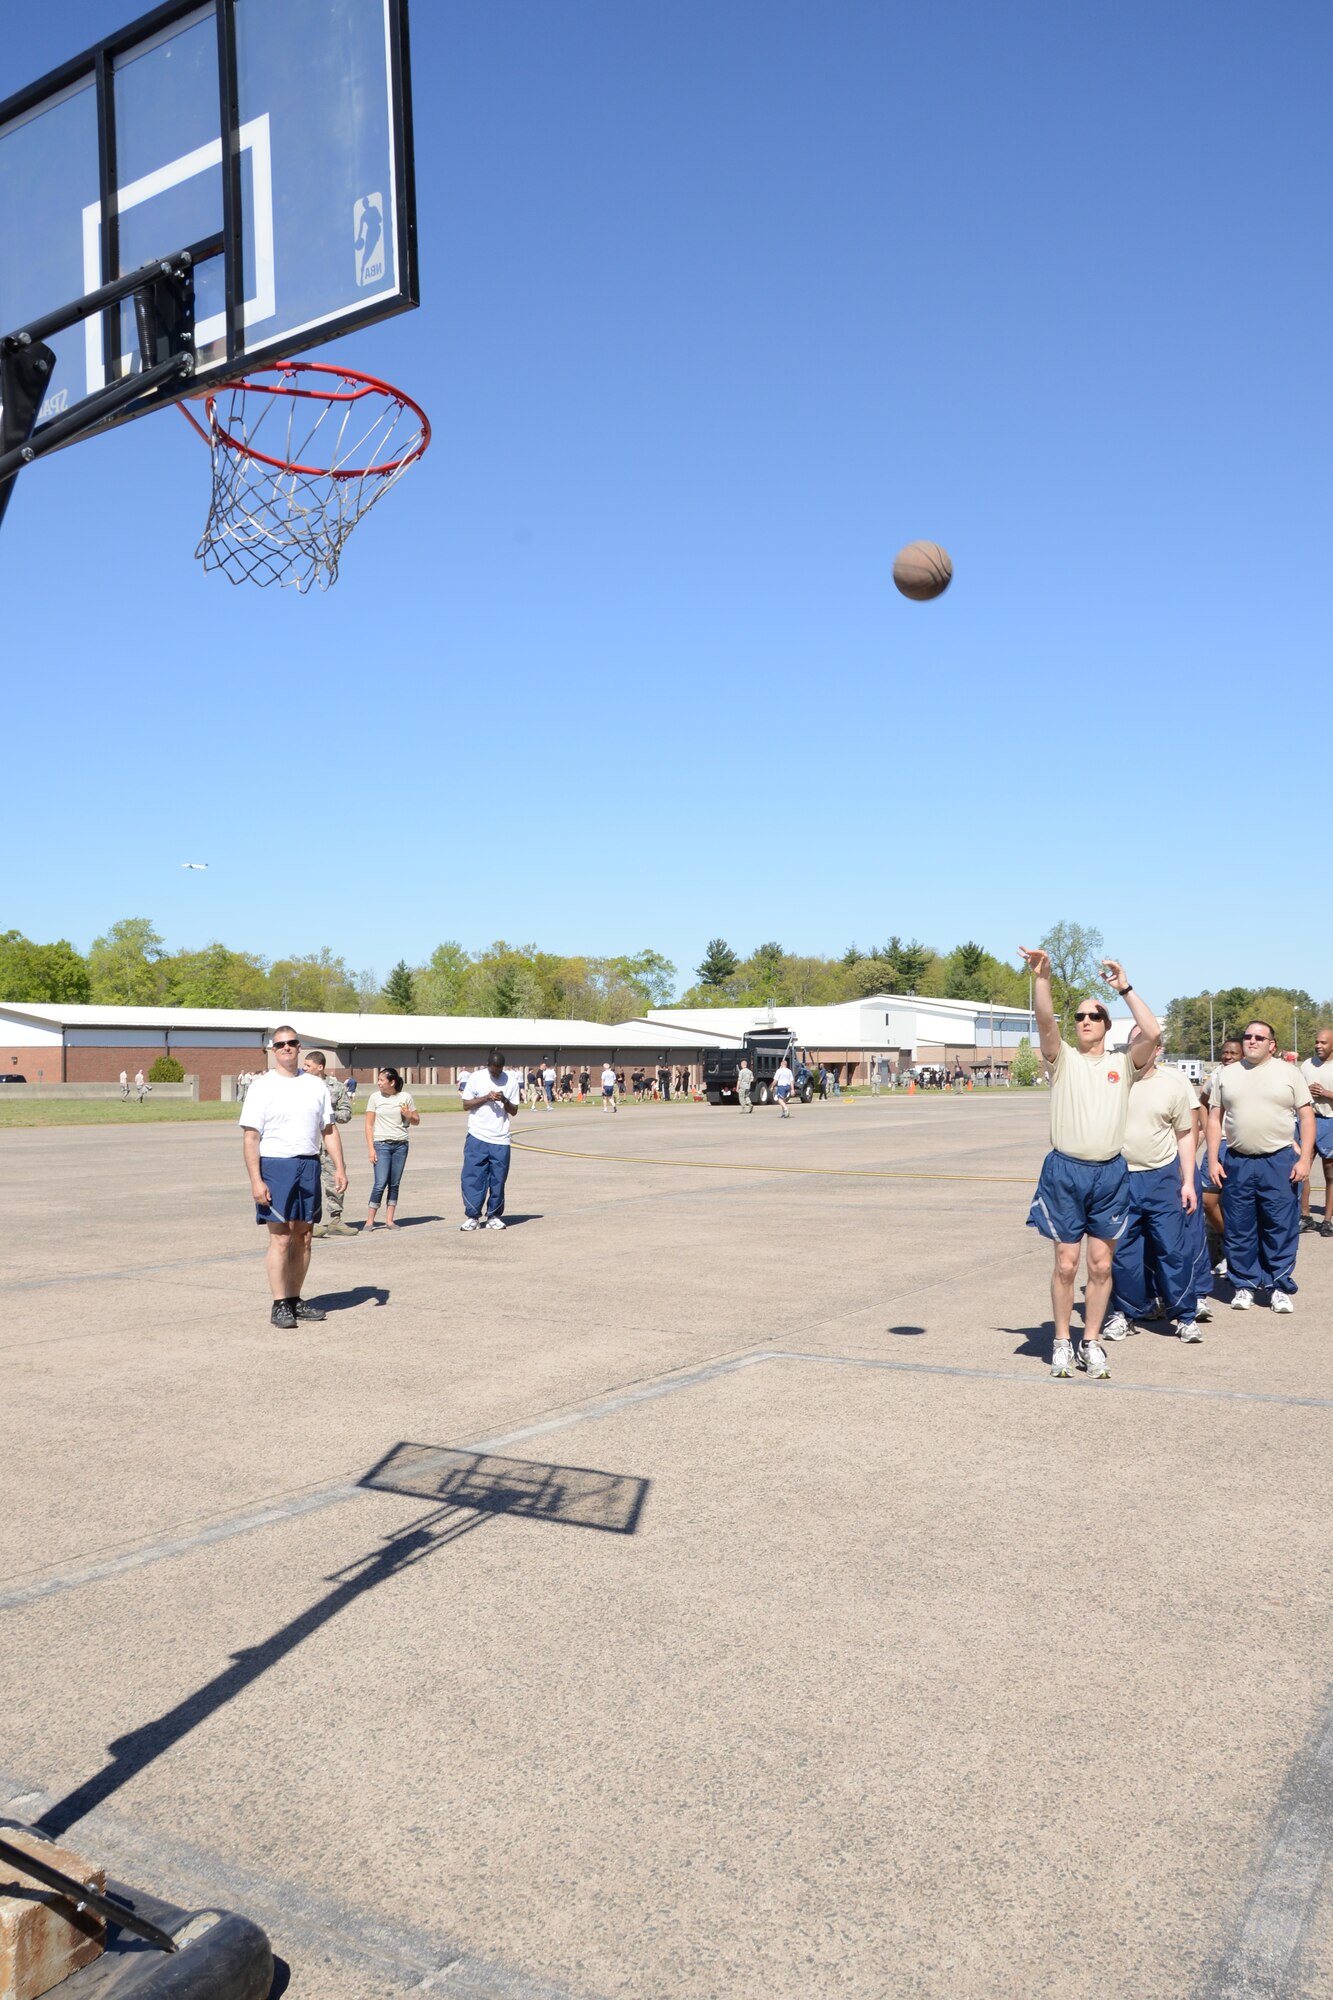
x=1307, y=1223
x=306, y=1311
x=283, y=1314
x=1326, y=1228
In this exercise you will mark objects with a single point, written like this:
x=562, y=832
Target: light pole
x=1295, y=1042
x=1211, y=1055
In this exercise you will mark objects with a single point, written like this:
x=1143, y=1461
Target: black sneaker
x=1307, y=1223
x=283, y=1314
x=1326, y=1228
x=306, y=1311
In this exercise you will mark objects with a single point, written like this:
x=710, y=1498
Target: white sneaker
x=1092, y=1357
x=470, y=1223
x=1062, y=1359
x=1282, y=1303
x=1117, y=1327
x=1203, y=1309
x=1187, y=1329
x=1242, y=1301
x=493, y=1222
x=1220, y=1268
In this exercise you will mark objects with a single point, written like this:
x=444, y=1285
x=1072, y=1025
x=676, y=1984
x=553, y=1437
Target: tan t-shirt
x=389, y=1120
x=1089, y=1099
x=1259, y=1102
x=1312, y=1070
x=1161, y=1111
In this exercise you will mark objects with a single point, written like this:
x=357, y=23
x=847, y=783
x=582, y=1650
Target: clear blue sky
x=722, y=304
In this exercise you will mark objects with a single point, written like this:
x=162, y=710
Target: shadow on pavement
x=359, y=1295
x=1034, y=1341
x=473, y=1488
x=906, y=1332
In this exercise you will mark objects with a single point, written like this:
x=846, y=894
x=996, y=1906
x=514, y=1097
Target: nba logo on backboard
x=368, y=227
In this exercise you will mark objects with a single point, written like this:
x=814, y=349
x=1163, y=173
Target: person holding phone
x=390, y=1115
x=490, y=1096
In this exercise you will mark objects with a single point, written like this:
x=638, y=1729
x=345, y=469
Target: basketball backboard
x=271, y=139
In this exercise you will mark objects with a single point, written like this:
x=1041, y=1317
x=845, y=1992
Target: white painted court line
x=262, y=1515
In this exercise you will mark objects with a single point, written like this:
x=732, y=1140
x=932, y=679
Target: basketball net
x=301, y=452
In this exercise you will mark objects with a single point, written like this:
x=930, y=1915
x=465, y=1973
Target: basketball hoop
x=301, y=452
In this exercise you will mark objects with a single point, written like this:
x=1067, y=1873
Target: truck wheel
x=715, y=1097
x=762, y=1094
x=806, y=1093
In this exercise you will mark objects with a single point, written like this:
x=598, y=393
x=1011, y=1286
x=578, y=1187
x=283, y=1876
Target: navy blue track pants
x=1261, y=1208
x=1160, y=1250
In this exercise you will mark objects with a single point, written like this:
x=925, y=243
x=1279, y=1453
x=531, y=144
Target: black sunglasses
x=1077, y=1017
x=286, y=1045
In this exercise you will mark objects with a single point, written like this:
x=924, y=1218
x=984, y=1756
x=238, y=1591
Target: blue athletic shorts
x=781, y=1091
x=1078, y=1198
x=1323, y=1137
x=608, y=1090
x=294, y=1188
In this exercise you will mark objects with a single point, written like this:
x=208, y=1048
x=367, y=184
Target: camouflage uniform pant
x=333, y=1202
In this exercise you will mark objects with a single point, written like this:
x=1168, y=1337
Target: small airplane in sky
x=194, y=864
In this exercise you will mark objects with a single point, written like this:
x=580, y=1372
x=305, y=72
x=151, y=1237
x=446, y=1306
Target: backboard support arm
x=163, y=294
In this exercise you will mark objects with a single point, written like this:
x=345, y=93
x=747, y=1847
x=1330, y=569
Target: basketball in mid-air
x=922, y=570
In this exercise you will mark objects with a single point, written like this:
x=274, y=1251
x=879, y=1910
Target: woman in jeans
x=389, y=1113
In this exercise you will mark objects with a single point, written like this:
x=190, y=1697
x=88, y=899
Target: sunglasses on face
x=1256, y=1038
x=286, y=1045
x=1077, y=1017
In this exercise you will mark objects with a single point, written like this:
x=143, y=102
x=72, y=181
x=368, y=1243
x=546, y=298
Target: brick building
x=89, y=1044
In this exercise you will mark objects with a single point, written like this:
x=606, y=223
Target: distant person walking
x=390, y=1116
x=745, y=1084
x=548, y=1086
x=609, y=1089
x=784, y=1078
x=286, y=1113
x=491, y=1096
x=333, y=1196
x=124, y=1086
x=141, y=1085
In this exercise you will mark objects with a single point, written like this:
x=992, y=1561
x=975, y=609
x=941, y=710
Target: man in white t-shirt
x=784, y=1081
x=1256, y=1105
x=1083, y=1191
x=609, y=1088
x=286, y=1114
x=490, y=1096
x=1321, y=1090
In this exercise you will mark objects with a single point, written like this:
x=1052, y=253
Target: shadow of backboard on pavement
x=576, y=1495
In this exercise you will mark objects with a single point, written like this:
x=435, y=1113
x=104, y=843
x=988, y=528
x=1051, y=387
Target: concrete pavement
x=918, y=1674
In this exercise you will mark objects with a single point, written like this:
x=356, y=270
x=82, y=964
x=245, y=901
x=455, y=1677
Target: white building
x=902, y=1027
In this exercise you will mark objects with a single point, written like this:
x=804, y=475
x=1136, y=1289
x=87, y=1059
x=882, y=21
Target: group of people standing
x=294, y=1156
x=1139, y=1168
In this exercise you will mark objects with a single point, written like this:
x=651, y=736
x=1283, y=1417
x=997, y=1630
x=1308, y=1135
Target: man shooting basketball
x=1084, y=1186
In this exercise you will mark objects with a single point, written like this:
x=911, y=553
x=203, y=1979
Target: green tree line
x=131, y=966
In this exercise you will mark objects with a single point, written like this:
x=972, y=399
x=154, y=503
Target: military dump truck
x=764, y=1050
